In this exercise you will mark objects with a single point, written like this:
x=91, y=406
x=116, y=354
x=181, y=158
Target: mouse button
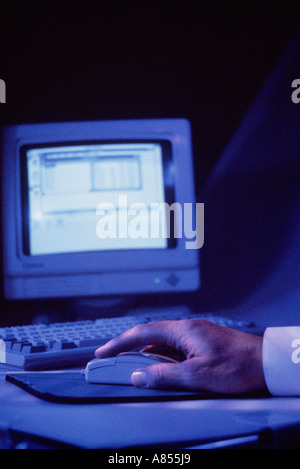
x=138, y=358
x=132, y=354
x=155, y=357
x=101, y=362
x=164, y=358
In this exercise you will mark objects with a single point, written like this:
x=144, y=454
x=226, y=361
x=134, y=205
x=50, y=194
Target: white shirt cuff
x=281, y=360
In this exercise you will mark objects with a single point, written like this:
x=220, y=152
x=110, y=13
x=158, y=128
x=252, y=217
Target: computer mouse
x=118, y=369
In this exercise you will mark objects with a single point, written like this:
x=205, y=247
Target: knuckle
x=139, y=331
x=192, y=325
x=135, y=331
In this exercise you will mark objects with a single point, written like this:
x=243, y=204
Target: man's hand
x=216, y=358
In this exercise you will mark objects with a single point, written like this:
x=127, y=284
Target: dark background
x=203, y=60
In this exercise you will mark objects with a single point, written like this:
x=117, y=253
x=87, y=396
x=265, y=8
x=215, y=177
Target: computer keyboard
x=67, y=344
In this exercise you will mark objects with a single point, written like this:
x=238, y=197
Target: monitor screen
x=62, y=186
x=98, y=208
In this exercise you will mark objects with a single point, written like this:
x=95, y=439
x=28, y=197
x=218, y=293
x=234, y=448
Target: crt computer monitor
x=85, y=209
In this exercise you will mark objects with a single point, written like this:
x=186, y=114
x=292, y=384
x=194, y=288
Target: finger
x=161, y=376
x=154, y=333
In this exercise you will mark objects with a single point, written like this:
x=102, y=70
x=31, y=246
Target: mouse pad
x=71, y=387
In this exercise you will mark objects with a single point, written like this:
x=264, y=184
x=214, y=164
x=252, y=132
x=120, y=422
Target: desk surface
x=181, y=424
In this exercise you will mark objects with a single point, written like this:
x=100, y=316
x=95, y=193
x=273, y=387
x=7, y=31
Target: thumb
x=158, y=376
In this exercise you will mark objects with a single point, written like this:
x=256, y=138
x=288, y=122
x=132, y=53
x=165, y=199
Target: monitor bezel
x=39, y=276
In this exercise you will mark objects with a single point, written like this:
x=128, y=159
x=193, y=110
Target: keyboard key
x=17, y=346
x=63, y=344
x=34, y=348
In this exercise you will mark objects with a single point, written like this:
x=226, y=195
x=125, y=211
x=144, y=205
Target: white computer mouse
x=118, y=369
